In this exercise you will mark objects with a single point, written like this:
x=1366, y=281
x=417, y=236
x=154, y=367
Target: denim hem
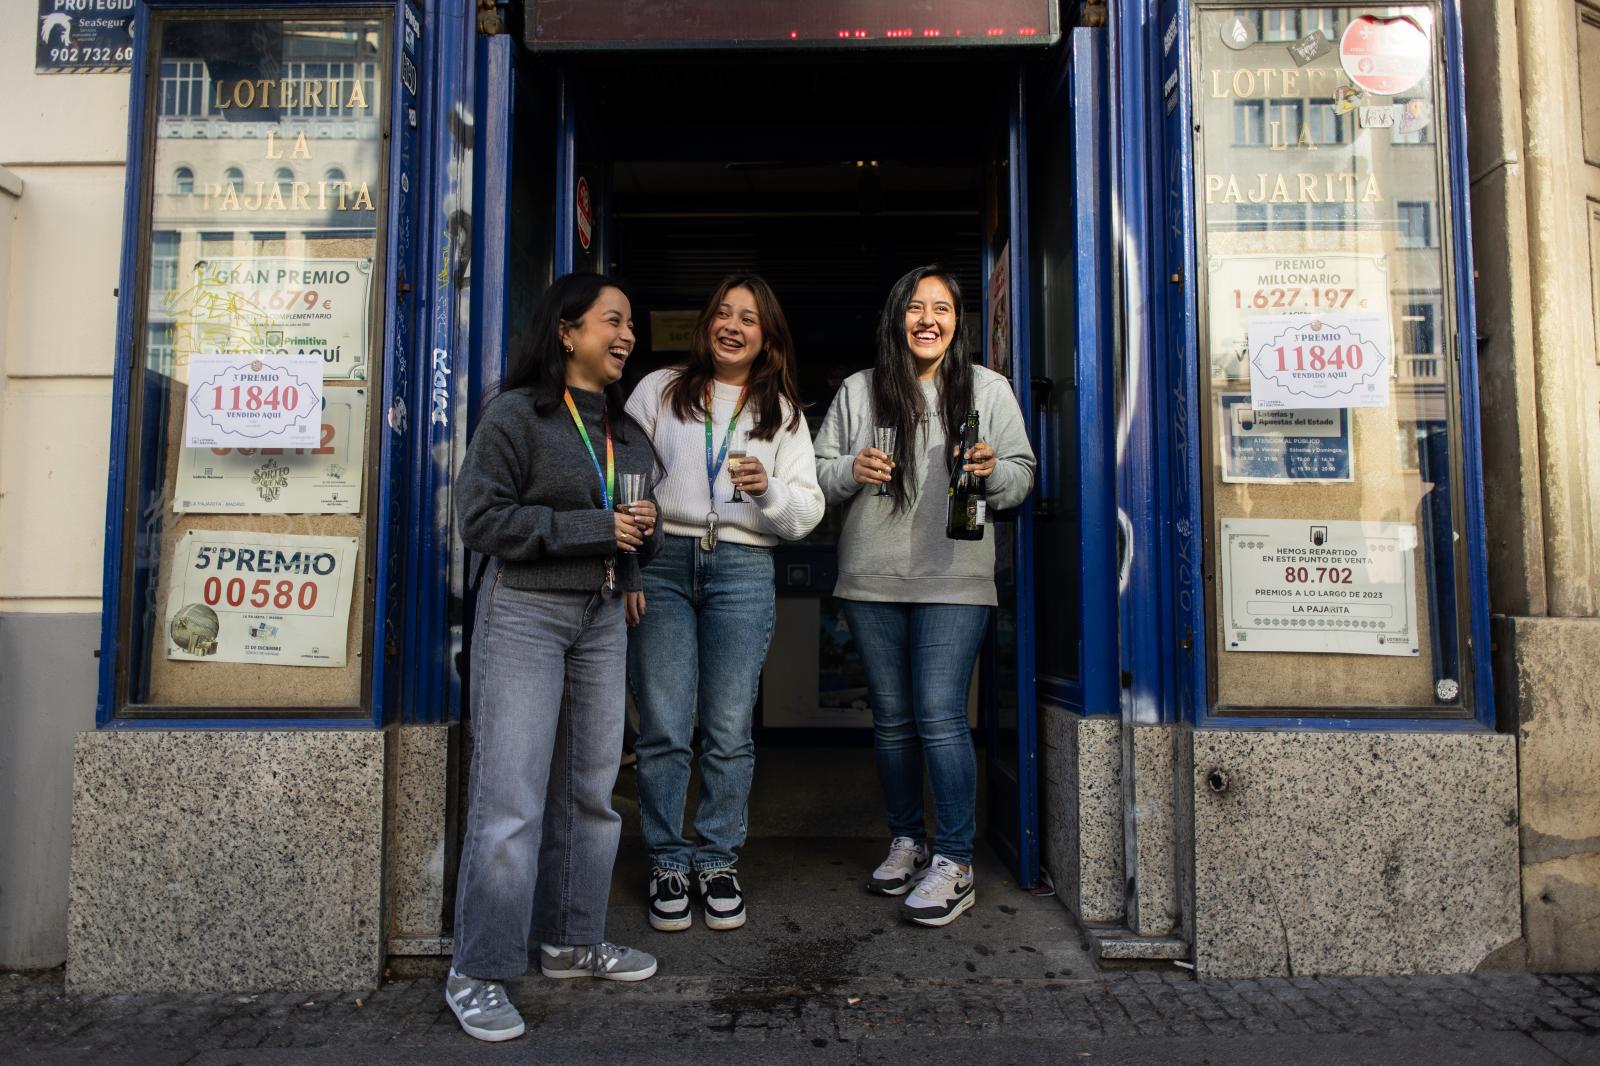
x=657, y=864
x=568, y=942
x=712, y=867
x=508, y=972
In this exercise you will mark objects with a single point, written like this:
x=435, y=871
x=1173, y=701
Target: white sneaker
x=894, y=875
x=943, y=894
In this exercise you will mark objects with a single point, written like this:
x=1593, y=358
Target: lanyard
x=608, y=477
x=715, y=464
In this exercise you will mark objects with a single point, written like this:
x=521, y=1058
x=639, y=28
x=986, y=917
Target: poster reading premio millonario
x=269, y=598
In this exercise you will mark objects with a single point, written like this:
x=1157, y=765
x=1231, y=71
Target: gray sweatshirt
x=905, y=557
x=528, y=494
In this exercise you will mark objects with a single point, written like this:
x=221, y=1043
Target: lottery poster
x=269, y=598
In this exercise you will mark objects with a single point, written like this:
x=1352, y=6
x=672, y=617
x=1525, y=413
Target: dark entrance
x=830, y=176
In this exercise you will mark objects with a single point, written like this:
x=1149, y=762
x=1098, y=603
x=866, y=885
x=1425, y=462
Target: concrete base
x=1353, y=853
x=1112, y=943
x=49, y=674
x=419, y=759
x=1155, y=881
x=1082, y=811
x=226, y=861
x=1546, y=672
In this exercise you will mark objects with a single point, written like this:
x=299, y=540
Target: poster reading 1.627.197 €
x=270, y=598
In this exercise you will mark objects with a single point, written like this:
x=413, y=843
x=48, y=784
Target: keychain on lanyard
x=708, y=539
x=608, y=476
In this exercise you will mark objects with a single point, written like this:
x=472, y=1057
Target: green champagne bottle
x=966, y=510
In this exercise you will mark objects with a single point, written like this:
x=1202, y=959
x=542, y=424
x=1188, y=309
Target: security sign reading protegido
x=1315, y=585
x=1329, y=360
x=269, y=598
x=260, y=399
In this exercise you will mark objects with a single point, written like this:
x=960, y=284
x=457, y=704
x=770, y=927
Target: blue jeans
x=707, y=624
x=919, y=659
x=548, y=703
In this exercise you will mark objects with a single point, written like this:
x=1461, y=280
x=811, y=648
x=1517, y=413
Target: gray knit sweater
x=528, y=494
x=905, y=557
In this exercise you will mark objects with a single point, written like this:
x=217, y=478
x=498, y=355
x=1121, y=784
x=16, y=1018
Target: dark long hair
x=896, y=393
x=539, y=360
x=772, y=376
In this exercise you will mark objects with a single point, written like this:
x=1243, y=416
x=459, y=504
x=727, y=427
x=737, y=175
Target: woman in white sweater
x=704, y=620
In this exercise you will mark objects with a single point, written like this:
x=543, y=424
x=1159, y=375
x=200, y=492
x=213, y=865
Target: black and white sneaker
x=669, y=900
x=720, y=898
x=895, y=875
x=943, y=894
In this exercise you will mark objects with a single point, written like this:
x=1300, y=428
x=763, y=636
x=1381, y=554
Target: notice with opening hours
x=1316, y=585
x=1339, y=359
x=325, y=479
x=253, y=400
x=270, y=598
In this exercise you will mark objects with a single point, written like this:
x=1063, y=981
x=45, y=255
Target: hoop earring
x=569, y=348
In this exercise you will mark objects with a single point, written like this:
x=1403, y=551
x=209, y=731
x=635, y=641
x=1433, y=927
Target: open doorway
x=831, y=177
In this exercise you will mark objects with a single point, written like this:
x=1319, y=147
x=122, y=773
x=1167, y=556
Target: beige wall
x=1533, y=84
x=64, y=137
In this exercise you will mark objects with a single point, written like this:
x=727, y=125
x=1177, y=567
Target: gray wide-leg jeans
x=548, y=692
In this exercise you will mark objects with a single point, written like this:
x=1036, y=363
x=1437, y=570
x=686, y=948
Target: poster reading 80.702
x=1315, y=585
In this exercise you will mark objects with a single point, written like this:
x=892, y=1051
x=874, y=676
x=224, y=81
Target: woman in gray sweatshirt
x=917, y=602
x=536, y=496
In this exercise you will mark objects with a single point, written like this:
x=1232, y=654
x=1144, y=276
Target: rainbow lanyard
x=715, y=464
x=608, y=476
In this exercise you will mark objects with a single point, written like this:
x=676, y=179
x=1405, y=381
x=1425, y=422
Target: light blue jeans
x=548, y=703
x=707, y=624
x=919, y=659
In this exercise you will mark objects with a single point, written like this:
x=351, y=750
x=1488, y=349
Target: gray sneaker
x=482, y=1008
x=607, y=961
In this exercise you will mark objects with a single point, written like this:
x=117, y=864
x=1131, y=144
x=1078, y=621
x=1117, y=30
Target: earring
x=569, y=348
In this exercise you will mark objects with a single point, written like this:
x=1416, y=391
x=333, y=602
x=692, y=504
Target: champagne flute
x=883, y=440
x=630, y=490
x=738, y=448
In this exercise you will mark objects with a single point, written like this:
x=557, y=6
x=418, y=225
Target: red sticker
x=1384, y=56
x=585, y=212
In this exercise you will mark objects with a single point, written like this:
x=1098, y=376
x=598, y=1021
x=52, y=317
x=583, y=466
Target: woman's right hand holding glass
x=629, y=533
x=872, y=467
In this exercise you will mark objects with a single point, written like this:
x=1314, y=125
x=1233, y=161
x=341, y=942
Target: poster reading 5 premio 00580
x=270, y=598
x=1313, y=585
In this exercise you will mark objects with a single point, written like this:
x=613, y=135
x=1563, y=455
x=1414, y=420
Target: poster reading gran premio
x=268, y=598
x=291, y=306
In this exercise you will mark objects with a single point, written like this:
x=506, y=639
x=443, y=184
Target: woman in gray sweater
x=918, y=603
x=549, y=648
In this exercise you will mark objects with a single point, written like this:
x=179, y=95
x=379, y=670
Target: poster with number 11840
x=1300, y=362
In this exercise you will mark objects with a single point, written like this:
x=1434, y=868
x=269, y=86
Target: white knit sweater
x=789, y=509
